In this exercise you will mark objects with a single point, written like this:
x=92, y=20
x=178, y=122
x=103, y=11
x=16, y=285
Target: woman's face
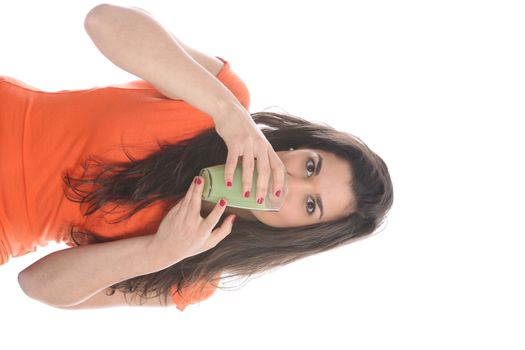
x=332, y=185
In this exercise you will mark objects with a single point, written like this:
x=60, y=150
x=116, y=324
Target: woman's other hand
x=183, y=232
x=244, y=138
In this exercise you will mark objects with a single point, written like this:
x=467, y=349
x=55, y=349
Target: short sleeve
x=192, y=294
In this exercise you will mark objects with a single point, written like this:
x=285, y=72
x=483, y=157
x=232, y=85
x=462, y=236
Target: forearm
x=137, y=43
x=70, y=276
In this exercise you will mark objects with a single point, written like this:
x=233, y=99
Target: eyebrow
x=317, y=196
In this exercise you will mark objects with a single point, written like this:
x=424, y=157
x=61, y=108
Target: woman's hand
x=184, y=233
x=244, y=138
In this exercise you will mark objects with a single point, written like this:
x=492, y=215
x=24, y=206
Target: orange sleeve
x=191, y=294
x=234, y=83
x=226, y=75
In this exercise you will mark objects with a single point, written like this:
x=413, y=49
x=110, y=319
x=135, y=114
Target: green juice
x=215, y=189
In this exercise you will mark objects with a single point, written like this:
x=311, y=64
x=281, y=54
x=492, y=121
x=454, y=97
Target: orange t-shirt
x=44, y=135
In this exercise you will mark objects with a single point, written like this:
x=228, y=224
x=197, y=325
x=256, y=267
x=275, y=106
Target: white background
x=434, y=87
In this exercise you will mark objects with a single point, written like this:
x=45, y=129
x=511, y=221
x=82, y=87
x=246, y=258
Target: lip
x=284, y=191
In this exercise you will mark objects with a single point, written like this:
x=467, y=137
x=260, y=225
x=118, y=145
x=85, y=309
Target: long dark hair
x=252, y=247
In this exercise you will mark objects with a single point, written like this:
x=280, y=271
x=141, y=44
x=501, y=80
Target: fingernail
x=260, y=200
x=233, y=220
x=229, y=184
x=198, y=180
x=222, y=203
x=278, y=193
x=246, y=194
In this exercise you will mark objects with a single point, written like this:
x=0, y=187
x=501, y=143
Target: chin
x=263, y=216
x=268, y=218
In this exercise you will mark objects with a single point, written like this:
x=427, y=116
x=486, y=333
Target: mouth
x=284, y=191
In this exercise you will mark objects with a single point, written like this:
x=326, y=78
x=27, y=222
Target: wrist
x=226, y=110
x=157, y=254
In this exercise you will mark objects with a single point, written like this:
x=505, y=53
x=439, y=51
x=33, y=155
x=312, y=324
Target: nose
x=297, y=185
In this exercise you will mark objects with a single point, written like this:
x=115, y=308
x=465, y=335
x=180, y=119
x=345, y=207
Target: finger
x=187, y=198
x=194, y=203
x=231, y=164
x=263, y=175
x=221, y=232
x=247, y=173
x=175, y=209
x=278, y=174
x=215, y=215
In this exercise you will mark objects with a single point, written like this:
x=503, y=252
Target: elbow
x=27, y=284
x=24, y=281
x=95, y=14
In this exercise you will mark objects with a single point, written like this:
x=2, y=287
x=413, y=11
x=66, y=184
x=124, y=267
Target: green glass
x=215, y=189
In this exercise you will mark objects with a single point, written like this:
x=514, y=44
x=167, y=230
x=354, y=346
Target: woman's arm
x=134, y=41
x=137, y=43
x=70, y=276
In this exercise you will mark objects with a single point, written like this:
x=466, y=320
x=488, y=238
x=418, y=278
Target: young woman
x=117, y=166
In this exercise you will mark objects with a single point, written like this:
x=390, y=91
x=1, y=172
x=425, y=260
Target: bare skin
x=333, y=184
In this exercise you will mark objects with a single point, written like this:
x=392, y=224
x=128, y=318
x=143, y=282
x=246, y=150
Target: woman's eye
x=310, y=164
x=310, y=204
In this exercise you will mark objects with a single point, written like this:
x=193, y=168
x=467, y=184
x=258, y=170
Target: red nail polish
x=222, y=203
x=198, y=181
x=260, y=200
x=246, y=194
x=278, y=193
x=229, y=184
